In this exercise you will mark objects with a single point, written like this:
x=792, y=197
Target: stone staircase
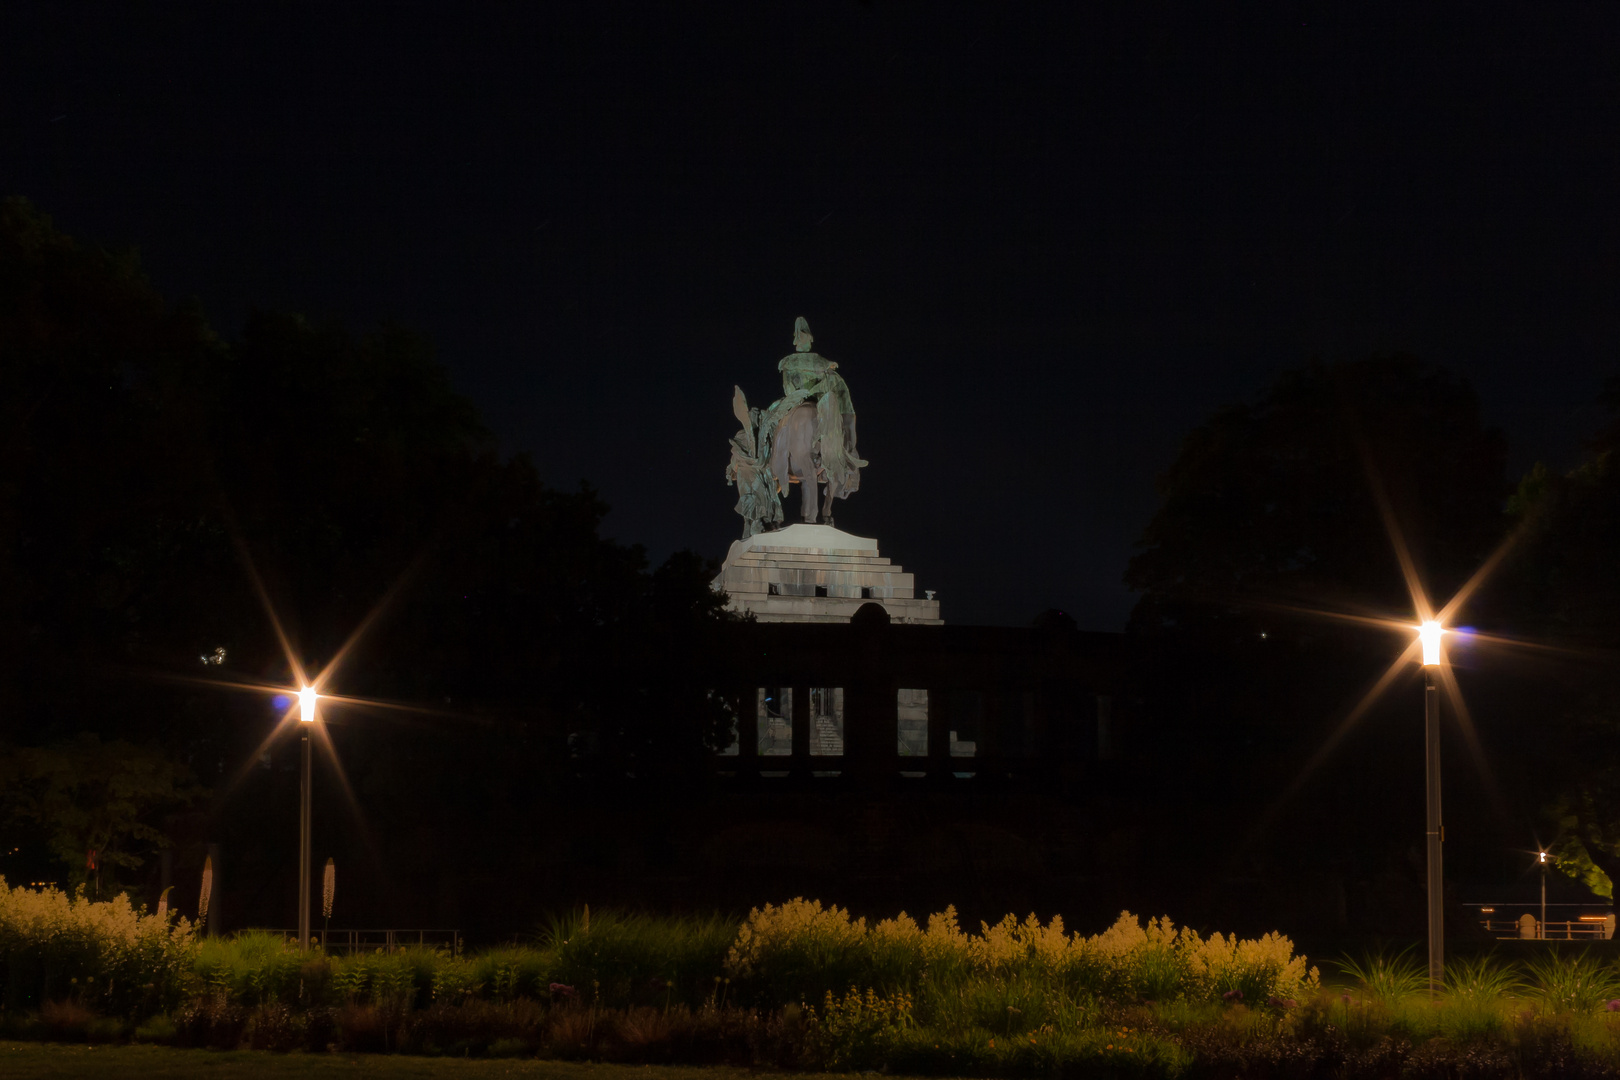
x=827, y=739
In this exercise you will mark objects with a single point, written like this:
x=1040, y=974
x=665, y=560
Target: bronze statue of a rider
x=807, y=437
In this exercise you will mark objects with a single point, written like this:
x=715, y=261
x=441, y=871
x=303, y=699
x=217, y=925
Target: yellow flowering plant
x=54, y=945
x=856, y=1030
x=802, y=949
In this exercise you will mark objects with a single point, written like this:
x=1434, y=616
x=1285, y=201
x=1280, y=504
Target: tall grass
x=1387, y=979
x=1482, y=979
x=1478, y=995
x=1572, y=982
x=632, y=959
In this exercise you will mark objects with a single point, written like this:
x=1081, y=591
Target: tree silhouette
x=1272, y=511
x=148, y=464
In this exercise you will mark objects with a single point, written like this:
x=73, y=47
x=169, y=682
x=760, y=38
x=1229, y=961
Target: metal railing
x=1551, y=930
x=383, y=941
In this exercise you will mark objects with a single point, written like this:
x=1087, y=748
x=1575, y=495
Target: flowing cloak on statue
x=807, y=377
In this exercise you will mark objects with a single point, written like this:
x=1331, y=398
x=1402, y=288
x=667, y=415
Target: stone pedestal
x=816, y=573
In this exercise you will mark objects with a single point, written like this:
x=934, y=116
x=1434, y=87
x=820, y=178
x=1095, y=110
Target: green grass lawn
x=28, y=1060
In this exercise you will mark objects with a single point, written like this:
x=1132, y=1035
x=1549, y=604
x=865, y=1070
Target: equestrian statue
x=805, y=437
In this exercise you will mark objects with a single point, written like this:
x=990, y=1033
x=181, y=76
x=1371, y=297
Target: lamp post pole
x=1543, y=894
x=1437, y=928
x=1429, y=634
x=306, y=713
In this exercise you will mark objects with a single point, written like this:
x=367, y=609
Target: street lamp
x=1429, y=636
x=1543, y=855
x=306, y=714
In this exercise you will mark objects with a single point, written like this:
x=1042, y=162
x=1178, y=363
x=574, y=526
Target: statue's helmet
x=801, y=335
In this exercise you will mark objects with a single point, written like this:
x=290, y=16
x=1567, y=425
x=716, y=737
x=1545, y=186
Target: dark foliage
x=1272, y=511
x=1564, y=589
x=150, y=470
x=210, y=1022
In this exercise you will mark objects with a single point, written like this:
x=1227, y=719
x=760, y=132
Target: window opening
x=911, y=711
x=964, y=714
x=774, y=706
x=827, y=721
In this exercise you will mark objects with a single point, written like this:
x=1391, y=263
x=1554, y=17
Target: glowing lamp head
x=1429, y=634
x=306, y=704
x=1543, y=855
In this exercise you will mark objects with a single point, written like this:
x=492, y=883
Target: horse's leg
x=805, y=468
x=779, y=463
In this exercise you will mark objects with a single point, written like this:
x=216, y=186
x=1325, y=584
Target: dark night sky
x=1041, y=244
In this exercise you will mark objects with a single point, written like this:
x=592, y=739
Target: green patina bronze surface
x=808, y=378
x=750, y=470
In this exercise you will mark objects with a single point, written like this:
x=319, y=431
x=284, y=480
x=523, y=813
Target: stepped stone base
x=816, y=573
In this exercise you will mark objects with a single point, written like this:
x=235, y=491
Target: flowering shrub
x=1255, y=969
x=102, y=953
x=111, y=957
x=858, y=1030
x=800, y=948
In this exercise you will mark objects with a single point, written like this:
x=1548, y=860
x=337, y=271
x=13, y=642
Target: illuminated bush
x=801, y=950
x=103, y=954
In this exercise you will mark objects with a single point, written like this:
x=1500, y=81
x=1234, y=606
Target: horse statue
x=805, y=437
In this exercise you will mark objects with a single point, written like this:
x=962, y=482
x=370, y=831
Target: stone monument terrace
x=819, y=574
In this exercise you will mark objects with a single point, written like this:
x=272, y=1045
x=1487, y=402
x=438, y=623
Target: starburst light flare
x=310, y=687
x=1430, y=629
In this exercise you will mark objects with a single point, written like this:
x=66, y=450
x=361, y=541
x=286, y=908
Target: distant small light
x=1262, y=635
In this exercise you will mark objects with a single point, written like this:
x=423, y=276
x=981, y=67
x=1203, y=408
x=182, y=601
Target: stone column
x=939, y=738
x=799, y=763
x=987, y=761
x=748, y=732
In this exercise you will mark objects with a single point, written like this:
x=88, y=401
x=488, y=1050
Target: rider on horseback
x=807, y=379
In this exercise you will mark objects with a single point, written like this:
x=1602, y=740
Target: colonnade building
x=845, y=673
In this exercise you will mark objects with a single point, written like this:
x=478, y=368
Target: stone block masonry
x=817, y=573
